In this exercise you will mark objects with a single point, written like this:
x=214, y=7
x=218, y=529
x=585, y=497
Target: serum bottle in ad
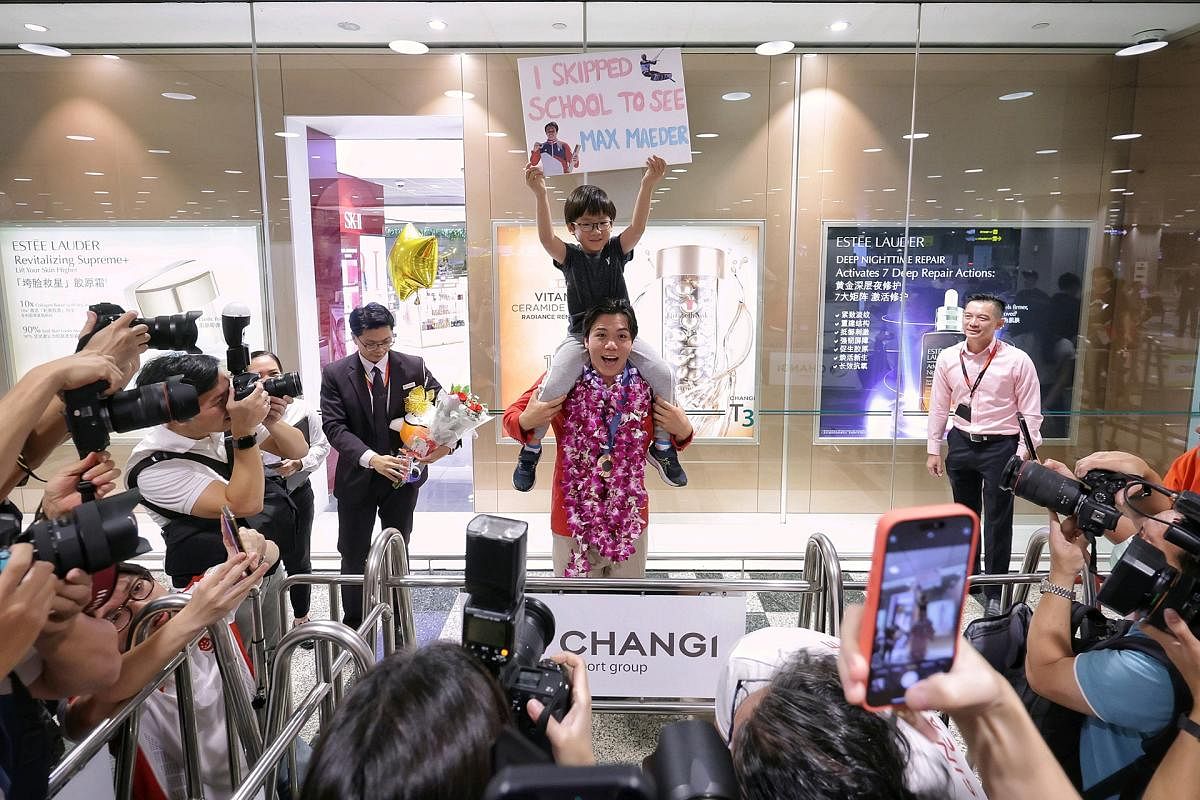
x=947, y=332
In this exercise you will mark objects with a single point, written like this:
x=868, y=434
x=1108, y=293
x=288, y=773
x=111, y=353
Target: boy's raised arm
x=535, y=179
x=656, y=168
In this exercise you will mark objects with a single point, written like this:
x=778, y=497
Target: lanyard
x=962, y=362
x=614, y=420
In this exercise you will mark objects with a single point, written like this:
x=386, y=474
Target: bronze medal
x=604, y=465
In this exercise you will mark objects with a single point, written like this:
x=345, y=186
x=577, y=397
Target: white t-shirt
x=318, y=443
x=757, y=656
x=176, y=484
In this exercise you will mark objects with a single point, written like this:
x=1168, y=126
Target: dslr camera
x=94, y=536
x=508, y=631
x=91, y=417
x=167, y=332
x=234, y=319
x=1142, y=582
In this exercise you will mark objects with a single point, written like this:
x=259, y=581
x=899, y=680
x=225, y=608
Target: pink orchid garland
x=604, y=513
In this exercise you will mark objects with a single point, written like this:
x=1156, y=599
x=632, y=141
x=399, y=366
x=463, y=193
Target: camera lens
x=1042, y=486
x=285, y=385
x=96, y=535
x=1138, y=580
x=171, y=400
x=173, y=331
x=534, y=633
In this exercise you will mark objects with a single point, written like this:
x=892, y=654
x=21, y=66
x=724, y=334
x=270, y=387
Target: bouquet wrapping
x=428, y=424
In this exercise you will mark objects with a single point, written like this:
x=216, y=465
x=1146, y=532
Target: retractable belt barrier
x=269, y=737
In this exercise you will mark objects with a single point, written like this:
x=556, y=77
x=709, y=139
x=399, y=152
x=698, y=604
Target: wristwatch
x=1047, y=587
x=245, y=442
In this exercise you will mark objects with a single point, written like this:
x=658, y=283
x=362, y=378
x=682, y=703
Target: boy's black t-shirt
x=592, y=278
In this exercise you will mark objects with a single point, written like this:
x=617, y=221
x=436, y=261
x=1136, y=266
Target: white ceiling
x=608, y=24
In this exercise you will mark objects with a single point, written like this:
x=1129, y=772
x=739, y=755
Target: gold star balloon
x=413, y=262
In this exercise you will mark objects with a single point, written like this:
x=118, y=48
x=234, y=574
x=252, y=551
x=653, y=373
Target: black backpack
x=1002, y=641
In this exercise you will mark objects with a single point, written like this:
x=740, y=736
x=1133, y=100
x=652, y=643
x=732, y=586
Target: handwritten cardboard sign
x=586, y=112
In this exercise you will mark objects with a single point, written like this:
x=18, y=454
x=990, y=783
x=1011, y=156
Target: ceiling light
x=824, y=171
x=149, y=177
x=33, y=26
x=872, y=149
x=735, y=96
x=44, y=50
x=23, y=180
x=495, y=134
x=236, y=172
x=973, y=170
x=889, y=189
x=776, y=48
x=349, y=26
x=679, y=169
x=1056, y=193
x=208, y=191
x=436, y=24
x=458, y=94
x=79, y=137
x=1117, y=190
x=1046, y=152
x=1126, y=194
x=697, y=152
x=408, y=47
x=1121, y=171
x=143, y=192
x=811, y=55
x=287, y=135
x=1005, y=189
x=707, y=135
x=110, y=57
x=968, y=191
x=839, y=26
x=99, y=191
x=316, y=158
x=178, y=96
x=1124, y=137
x=159, y=152
x=1145, y=42
x=94, y=174
x=243, y=191
x=106, y=204
x=1021, y=95
x=931, y=177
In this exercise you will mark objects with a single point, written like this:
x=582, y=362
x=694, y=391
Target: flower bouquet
x=428, y=424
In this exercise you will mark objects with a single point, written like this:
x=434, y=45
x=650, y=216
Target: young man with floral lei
x=603, y=427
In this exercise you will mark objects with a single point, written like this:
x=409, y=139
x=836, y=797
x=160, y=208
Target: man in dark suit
x=360, y=395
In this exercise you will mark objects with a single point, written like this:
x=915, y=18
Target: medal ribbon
x=614, y=420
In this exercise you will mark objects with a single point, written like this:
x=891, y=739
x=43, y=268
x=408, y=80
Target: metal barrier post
x=258, y=652
x=400, y=599
x=374, y=590
x=1033, y=556
x=822, y=609
x=263, y=773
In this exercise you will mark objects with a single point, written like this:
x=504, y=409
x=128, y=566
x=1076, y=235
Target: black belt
x=980, y=438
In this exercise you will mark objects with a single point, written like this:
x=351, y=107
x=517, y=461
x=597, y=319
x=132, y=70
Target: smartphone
x=229, y=530
x=1030, y=450
x=915, y=596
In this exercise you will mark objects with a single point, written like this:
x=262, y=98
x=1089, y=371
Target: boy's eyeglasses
x=593, y=227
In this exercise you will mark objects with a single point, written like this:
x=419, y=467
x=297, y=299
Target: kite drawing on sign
x=654, y=74
x=413, y=262
x=563, y=158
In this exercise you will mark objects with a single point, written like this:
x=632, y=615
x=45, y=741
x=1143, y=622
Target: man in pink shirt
x=981, y=385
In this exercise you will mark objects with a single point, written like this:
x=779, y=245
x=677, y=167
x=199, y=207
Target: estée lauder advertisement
x=51, y=274
x=694, y=288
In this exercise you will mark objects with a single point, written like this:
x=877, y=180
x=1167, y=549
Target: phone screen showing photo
x=921, y=590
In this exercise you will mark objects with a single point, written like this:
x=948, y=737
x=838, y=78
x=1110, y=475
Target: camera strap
x=225, y=470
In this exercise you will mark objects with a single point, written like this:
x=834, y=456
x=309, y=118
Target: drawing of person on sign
x=563, y=158
x=654, y=74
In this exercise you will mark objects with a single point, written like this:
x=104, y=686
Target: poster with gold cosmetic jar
x=695, y=289
x=50, y=274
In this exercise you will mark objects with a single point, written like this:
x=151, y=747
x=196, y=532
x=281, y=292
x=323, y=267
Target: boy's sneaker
x=666, y=462
x=525, y=474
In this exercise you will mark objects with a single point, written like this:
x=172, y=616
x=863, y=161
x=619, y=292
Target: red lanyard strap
x=962, y=362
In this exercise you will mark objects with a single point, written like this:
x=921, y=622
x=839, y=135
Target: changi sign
x=648, y=645
x=586, y=112
x=892, y=301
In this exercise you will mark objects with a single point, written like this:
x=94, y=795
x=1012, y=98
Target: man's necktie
x=379, y=411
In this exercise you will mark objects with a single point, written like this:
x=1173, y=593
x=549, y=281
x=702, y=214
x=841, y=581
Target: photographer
x=781, y=708
x=213, y=599
x=1003, y=743
x=121, y=345
x=1125, y=696
x=422, y=724
x=188, y=471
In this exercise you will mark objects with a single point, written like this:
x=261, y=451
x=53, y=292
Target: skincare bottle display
x=947, y=332
x=704, y=358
